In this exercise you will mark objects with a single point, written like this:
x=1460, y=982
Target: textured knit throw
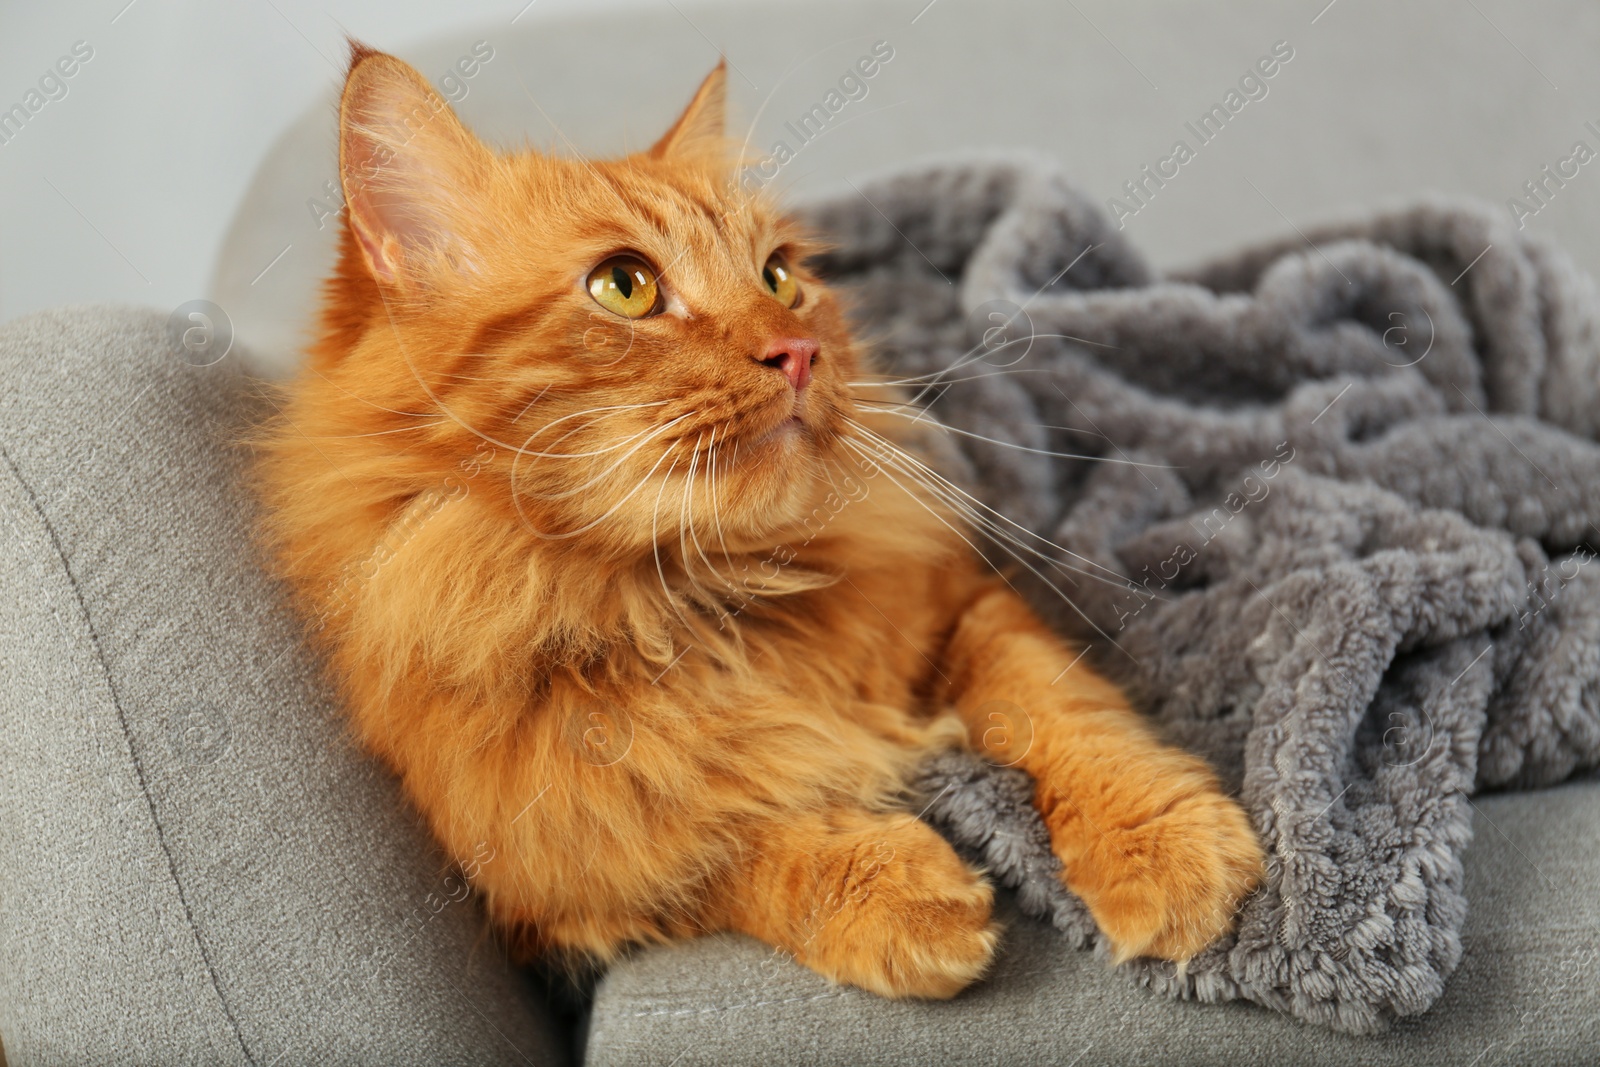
x=1343, y=547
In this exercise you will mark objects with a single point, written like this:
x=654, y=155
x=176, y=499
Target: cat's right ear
x=698, y=130
x=408, y=168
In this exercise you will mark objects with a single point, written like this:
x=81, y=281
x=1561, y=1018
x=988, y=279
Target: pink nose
x=793, y=356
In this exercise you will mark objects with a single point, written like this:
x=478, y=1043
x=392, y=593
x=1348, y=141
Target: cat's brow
x=714, y=213
x=650, y=214
x=647, y=200
x=672, y=226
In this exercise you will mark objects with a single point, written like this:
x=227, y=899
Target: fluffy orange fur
x=652, y=637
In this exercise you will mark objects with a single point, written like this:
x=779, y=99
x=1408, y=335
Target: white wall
x=124, y=189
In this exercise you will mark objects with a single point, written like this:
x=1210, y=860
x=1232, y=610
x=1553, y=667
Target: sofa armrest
x=195, y=864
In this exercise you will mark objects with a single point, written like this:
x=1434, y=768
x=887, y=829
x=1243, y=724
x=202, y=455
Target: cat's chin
x=786, y=434
x=779, y=468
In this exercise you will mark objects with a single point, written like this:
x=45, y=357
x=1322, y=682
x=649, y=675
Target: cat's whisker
x=969, y=506
x=861, y=449
x=459, y=377
x=830, y=464
x=1067, y=337
x=673, y=600
x=950, y=487
x=999, y=534
x=716, y=509
x=686, y=526
x=596, y=452
x=444, y=409
x=895, y=383
x=922, y=417
x=716, y=516
x=647, y=437
x=380, y=433
x=873, y=437
x=589, y=411
x=972, y=356
x=612, y=410
x=977, y=354
x=881, y=461
x=685, y=502
x=827, y=473
x=898, y=406
x=938, y=377
x=615, y=507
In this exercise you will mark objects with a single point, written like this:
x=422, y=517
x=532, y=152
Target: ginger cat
x=628, y=568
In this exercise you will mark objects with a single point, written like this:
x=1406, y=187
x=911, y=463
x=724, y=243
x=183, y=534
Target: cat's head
x=637, y=342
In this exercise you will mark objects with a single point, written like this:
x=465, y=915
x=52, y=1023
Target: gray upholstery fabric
x=1524, y=993
x=195, y=865
x=1353, y=571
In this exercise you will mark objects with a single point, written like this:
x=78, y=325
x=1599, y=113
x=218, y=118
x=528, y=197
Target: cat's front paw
x=1170, y=885
x=907, y=918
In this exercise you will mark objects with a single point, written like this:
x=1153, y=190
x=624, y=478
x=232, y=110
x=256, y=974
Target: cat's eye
x=625, y=285
x=781, y=281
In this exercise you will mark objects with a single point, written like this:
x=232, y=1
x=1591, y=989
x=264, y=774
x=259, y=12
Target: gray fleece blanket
x=1342, y=547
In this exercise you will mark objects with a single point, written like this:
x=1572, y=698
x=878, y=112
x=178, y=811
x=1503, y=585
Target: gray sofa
x=198, y=866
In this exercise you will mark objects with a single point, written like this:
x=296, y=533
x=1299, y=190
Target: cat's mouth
x=788, y=424
x=788, y=429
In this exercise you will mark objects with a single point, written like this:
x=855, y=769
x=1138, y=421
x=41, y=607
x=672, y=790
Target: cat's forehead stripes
x=706, y=238
x=702, y=234
x=679, y=216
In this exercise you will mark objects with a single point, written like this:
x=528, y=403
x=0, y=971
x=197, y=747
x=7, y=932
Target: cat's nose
x=793, y=356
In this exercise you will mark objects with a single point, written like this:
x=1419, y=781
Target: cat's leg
x=875, y=900
x=1144, y=832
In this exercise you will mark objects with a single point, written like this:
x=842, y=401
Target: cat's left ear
x=409, y=170
x=699, y=130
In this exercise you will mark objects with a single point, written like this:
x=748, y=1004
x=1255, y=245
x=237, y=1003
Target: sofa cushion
x=1524, y=992
x=195, y=864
